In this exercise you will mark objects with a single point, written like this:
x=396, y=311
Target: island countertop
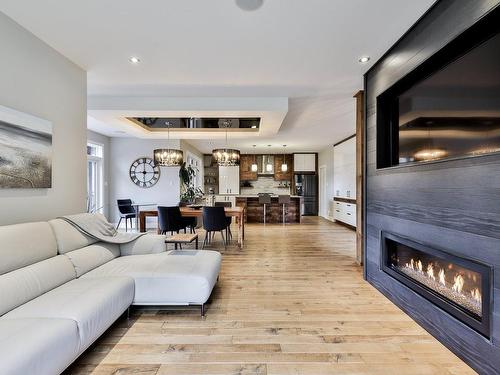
x=254, y=211
x=256, y=196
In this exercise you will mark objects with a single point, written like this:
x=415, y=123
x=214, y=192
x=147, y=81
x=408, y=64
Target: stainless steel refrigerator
x=306, y=186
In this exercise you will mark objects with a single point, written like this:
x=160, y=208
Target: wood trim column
x=360, y=158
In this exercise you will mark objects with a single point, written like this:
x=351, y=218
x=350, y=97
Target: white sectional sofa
x=60, y=289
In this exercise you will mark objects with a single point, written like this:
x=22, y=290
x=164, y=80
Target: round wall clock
x=144, y=173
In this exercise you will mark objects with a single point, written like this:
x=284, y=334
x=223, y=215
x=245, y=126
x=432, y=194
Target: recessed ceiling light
x=249, y=5
x=134, y=60
x=364, y=59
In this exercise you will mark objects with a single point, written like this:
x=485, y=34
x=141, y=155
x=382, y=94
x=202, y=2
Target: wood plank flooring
x=293, y=301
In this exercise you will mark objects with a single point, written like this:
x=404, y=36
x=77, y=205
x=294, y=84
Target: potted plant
x=189, y=192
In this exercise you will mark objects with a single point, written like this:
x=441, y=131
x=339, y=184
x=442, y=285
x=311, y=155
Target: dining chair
x=229, y=219
x=214, y=220
x=170, y=220
x=127, y=212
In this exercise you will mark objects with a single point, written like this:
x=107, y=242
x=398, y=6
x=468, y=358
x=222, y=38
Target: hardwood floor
x=293, y=301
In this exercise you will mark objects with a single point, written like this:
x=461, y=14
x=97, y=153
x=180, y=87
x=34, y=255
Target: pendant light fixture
x=168, y=157
x=254, y=167
x=284, y=165
x=226, y=157
x=269, y=166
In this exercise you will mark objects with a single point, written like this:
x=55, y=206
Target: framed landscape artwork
x=25, y=151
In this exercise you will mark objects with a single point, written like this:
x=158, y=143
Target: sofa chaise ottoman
x=60, y=289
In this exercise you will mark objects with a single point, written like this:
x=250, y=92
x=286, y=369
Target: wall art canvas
x=25, y=151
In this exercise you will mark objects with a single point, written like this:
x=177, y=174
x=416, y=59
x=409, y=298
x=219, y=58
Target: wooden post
x=360, y=157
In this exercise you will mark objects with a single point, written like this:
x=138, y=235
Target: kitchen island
x=254, y=211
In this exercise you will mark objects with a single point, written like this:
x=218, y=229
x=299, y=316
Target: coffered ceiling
x=302, y=52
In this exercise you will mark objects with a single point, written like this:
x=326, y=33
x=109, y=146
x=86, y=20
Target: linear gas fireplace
x=459, y=286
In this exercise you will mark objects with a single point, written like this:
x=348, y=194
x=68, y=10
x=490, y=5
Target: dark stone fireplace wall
x=453, y=205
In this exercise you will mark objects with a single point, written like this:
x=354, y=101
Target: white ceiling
x=305, y=50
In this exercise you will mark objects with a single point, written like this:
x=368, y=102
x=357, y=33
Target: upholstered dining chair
x=214, y=220
x=170, y=220
x=127, y=212
x=229, y=219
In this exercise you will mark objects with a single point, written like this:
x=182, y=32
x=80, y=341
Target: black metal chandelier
x=168, y=157
x=226, y=157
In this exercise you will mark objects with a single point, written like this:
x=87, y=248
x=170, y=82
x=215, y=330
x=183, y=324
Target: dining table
x=236, y=212
x=137, y=208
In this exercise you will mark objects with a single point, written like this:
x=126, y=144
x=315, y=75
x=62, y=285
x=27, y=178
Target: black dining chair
x=214, y=220
x=170, y=220
x=229, y=219
x=127, y=212
x=189, y=222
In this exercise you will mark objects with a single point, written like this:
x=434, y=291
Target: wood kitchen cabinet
x=278, y=161
x=246, y=173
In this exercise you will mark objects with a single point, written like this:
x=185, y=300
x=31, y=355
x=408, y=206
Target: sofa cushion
x=24, y=284
x=37, y=346
x=94, y=304
x=68, y=237
x=25, y=244
x=90, y=257
x=147, y=244
x=170, y=278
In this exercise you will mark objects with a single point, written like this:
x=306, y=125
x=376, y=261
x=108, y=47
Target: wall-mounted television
x=447, y=108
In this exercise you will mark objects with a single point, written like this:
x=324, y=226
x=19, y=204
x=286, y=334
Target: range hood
x=265, y=165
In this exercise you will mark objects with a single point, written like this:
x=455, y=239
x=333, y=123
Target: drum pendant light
x=226, y=157
x=168, y=157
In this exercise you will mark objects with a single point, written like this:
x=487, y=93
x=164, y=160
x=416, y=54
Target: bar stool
x=264, y=199
x=285, y=201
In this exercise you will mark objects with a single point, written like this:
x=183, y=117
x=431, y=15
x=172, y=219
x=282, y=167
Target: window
x=195, y=162
x=94, y=178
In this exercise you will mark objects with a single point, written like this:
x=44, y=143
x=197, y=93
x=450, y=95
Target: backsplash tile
x=265, y=185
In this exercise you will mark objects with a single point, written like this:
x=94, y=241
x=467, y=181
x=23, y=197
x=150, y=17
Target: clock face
x=144, y=173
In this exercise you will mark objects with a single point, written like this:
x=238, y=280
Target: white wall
x=325, y=158
x=37, y=80
x=105, y=142
x=123, y=152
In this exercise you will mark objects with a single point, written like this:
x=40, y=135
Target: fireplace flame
x=458, y=283
x=442, y=278
x=420, y=268
x=476, y=294
x=430, y=271
x=410, y=265
x=460, y=291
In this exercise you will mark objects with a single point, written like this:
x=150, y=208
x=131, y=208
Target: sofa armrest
x=147, y=244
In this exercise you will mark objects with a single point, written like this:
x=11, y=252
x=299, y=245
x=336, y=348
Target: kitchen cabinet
x=345, y=212
x=246, y=162
x=304, y=162
x=344, y=169
x=279, y=175
x=229, y=180
x=226, y=198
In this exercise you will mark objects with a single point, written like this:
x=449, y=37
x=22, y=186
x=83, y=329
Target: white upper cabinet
x=229, y=180
x=304, y=162
x=344, y=169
